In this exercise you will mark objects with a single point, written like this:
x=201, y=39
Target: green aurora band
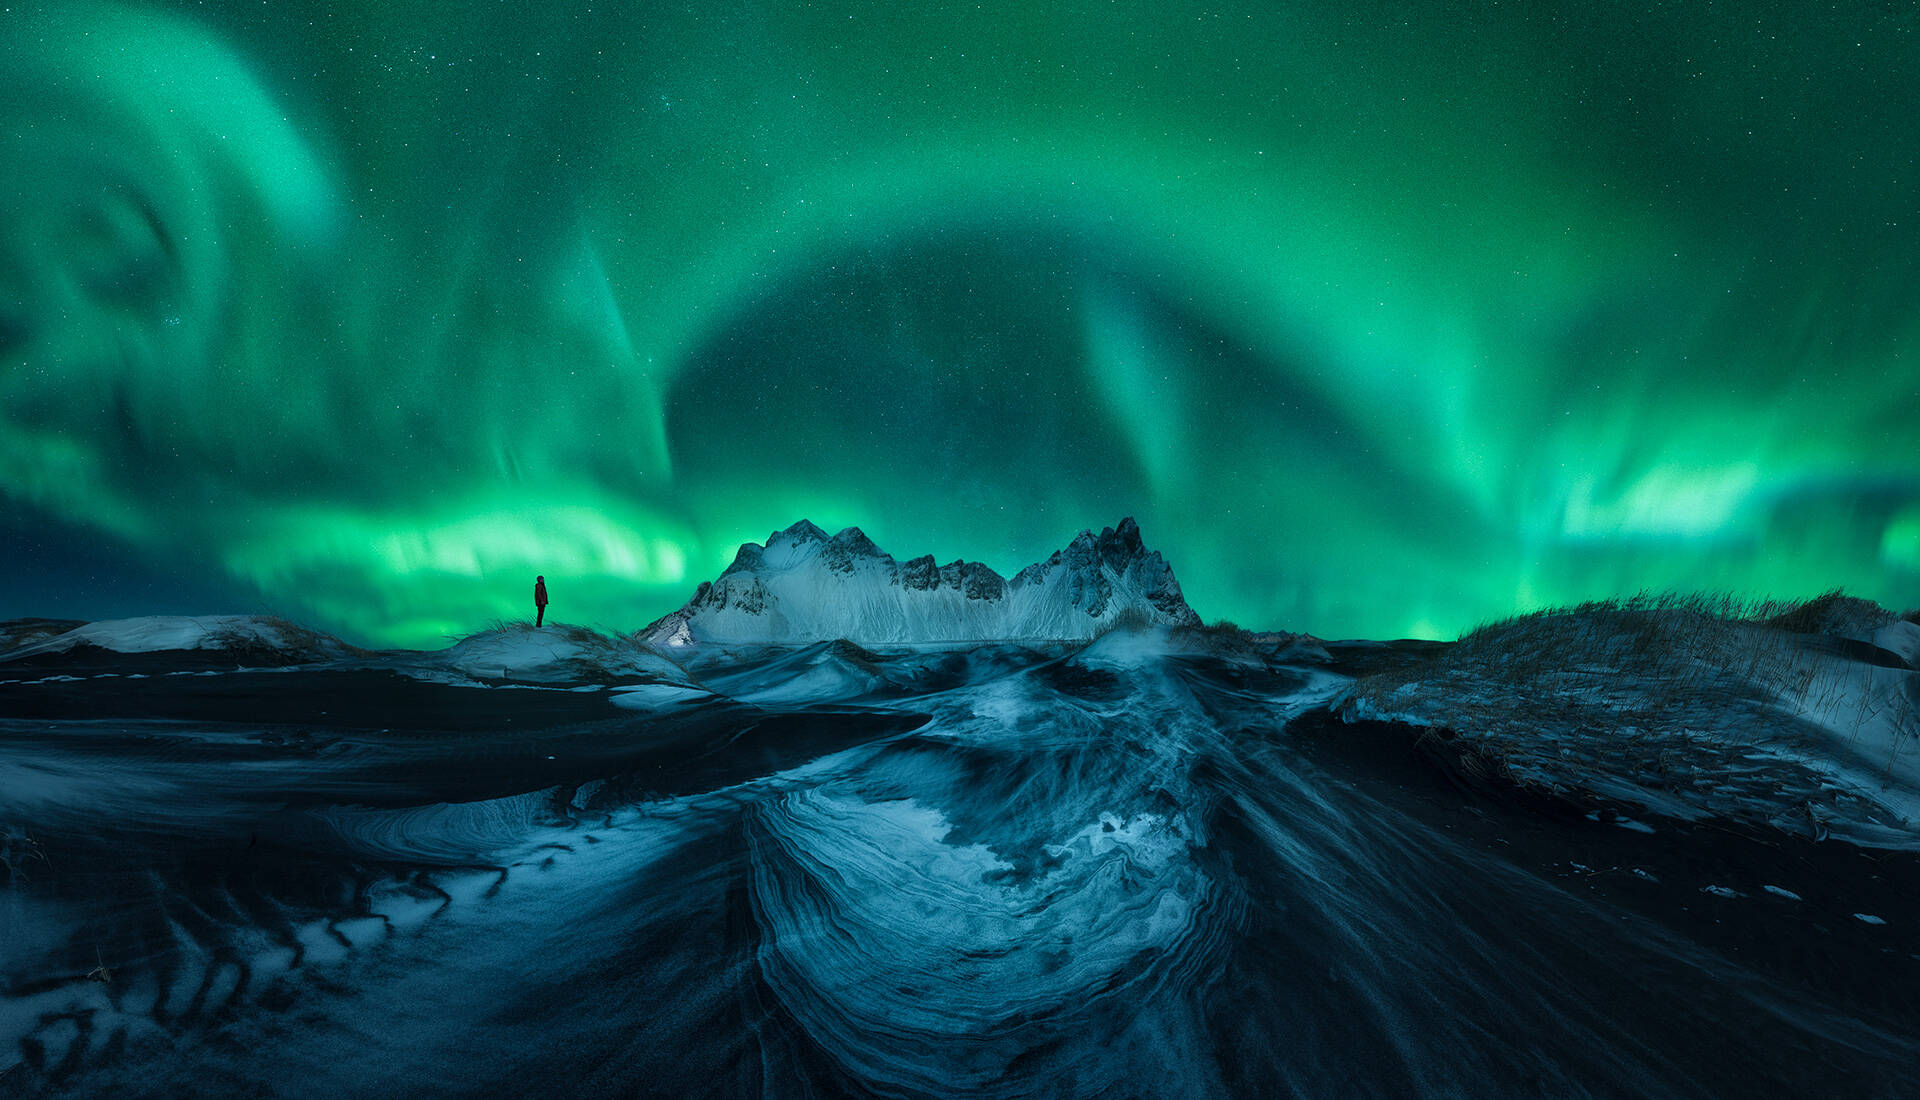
x=1383, y=320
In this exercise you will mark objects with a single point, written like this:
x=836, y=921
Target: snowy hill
x=804, y=586
x=1684, y=709
x=505, y=653
x=557, y=653
x=255, y=637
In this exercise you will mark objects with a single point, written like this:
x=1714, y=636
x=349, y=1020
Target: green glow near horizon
x=1379, y=326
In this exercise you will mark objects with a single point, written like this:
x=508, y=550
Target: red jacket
x=539, y=593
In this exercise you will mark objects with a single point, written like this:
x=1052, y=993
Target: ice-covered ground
x=1152, y=865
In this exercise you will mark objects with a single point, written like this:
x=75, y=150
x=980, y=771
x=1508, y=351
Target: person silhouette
x=539, y=600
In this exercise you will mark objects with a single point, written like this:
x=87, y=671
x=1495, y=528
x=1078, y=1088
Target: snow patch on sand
x=660, y=696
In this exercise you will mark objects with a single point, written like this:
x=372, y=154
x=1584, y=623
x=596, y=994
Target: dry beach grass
x=1685, y=704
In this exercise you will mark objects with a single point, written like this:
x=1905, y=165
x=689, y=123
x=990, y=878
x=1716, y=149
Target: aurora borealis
x=1381, y=319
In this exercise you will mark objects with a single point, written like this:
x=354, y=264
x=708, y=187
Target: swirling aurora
x=1382, y=321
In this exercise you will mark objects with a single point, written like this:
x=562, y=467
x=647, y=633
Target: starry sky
x=1382, y=318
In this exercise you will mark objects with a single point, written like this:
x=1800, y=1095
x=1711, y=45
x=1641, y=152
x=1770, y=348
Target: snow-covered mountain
x=805, y=586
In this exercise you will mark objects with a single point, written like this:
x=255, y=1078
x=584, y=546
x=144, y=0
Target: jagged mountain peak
x=854, y=537
x=1122, y=540
x=805, y=585
x=799, y=533
x=804, y=541
x=851, y=545
x=748, y=558
x=784, y=547
x=1124, y=535
x=1117, y=547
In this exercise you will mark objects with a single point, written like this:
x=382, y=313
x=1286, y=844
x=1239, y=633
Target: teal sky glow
x=1382, y=320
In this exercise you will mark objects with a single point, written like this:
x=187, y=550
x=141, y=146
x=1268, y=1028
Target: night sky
x=1383, y=319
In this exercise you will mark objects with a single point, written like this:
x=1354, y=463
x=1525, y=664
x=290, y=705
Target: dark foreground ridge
x=1173, y=861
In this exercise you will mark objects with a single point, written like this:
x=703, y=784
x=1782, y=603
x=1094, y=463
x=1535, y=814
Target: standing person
x=539, y=600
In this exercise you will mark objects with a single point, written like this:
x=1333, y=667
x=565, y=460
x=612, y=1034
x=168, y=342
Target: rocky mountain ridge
x=804, y=585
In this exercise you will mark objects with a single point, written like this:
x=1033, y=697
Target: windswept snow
x=659, y=696
x=824, y=672
x=1125, y=649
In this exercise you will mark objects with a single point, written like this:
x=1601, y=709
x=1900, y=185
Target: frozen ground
x=1163, y=864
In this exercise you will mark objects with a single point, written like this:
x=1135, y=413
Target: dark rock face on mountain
x=805, y=585
x=1094, y=564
